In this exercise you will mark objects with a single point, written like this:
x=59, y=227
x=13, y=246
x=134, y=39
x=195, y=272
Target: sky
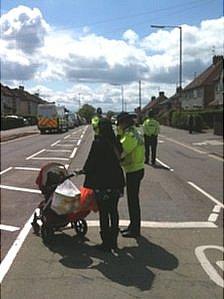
x=71, y=50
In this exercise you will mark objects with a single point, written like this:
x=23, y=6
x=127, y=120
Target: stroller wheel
x=47, y=233
x=80, y=226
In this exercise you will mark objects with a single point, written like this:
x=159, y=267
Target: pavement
x=10, y=134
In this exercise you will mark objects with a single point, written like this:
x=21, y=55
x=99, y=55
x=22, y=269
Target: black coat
x=102, y=167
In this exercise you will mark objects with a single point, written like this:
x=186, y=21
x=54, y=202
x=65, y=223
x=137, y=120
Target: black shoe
x=146, y=162
x=130, y=234
x=123, y=230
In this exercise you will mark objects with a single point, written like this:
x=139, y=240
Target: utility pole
x=79, y=102
x=140, y=95
x=122, y=97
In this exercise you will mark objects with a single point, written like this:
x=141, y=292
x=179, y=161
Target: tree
x=87, y=111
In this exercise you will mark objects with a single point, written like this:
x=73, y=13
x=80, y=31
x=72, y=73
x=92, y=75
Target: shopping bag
x=87, y=199
x=66, y=198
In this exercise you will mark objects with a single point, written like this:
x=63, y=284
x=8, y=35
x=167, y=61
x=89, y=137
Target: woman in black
x=105, y=176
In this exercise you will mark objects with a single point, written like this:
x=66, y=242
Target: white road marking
x=215, y=157
x=156, y=224
x=73, y=153
x=31, y=157
x=27, y=168
x=216, y=209
x=20, y=189
x=185, y=145
x=67, y=136
x=64, y=145
x=66, y=166
x=213, y=217
x=206, y=194
x=207, y=265
x=53, y=144
x=9, y=228
x=50, y=158
x=78, y=143
x=58, y=150
x=220, y=264
x=165, y=165
x=6, y=170
x=19, y=138
x=9, y=258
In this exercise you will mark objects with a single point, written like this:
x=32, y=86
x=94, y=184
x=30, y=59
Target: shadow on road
x=129, y=267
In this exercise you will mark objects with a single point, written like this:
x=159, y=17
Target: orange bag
x=87, y=199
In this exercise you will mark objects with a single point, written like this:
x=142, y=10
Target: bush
x=11, y=123
x=180, y=120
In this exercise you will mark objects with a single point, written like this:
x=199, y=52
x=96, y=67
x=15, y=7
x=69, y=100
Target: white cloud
x=31, y=49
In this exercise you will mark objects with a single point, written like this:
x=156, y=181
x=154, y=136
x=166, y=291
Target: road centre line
x=206, y=194
x=50, y=158
x=20, y=189
x=9, y=228
x=37, y=153
x=10, y=256
x=58, y=150
x=6, y=170
x=213, y=217
x=163, y=164
x=56, y=142
x=73, y=153
x=67, y=136
x=185, y=145
x=27, y=168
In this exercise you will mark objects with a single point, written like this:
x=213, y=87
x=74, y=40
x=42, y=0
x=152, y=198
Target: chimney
x=21, y=87
x=216, y=59
x=161, y=93
x=178, y=90
x=153, y=98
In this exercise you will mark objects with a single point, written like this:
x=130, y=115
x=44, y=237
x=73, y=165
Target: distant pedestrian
x=133, y=163
x=105, y=176
x=151, y=130
x=190, y=123
x=95, y=121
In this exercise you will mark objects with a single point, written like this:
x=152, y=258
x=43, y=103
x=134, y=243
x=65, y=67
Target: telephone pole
x=140, y=96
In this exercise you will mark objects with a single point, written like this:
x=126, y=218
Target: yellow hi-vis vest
x=95, y=123
x=133, y=150
x=151, y=127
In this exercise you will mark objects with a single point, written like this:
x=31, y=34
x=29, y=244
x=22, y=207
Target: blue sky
x=65, y=47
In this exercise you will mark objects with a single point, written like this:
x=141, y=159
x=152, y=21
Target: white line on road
x=206, y=194
x=185, y=145
x=9, y=258
x=9, y=228
x=27, y=168
x=215, y=157
x=51, y=158
x=66, y=144
x=6, y=170
x=20, y=189
x=207, y=265
x=67, y=136
x=156, y=224
x=31, y=157
x=213, y=217
x=78, y=143
x=73, y=153
x=163, y=164
x=58, y=150
x=216, y=209
x=53, y=144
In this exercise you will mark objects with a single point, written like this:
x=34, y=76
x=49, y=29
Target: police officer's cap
x=99, y=110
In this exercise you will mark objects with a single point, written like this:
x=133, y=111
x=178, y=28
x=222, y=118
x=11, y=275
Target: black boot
x=106, y=244
x=114, y=235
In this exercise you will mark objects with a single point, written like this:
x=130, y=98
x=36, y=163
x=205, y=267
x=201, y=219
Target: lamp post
x=122, y=94
x=180, y=64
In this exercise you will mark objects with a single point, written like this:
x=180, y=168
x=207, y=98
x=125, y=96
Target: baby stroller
x=49, y=220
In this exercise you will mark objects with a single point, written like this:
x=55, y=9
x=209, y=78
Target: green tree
x=87, y=111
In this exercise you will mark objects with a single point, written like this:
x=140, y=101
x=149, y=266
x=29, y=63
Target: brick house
x=155, y=104
x=202, y=90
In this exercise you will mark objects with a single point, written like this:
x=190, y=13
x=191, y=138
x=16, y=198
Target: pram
x=49, y=178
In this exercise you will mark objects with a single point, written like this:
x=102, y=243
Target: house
x=155, y=104
x=201, y=92
x=174, y=102
x=19, y=102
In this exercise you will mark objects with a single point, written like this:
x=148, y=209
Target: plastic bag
x=87, y=199
x=66, y=198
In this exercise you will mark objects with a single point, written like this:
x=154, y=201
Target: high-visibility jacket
x=151, y=127
x=95, y=123
x=133, y=150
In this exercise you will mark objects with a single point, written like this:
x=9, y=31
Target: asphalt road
x=180, y=253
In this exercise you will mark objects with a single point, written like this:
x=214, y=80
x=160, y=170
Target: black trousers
x=150, y=143
x=107, y=203
x=133, y=187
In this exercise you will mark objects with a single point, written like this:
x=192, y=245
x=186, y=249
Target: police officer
x=95, y=121
x=151, y=130
x=132, y=160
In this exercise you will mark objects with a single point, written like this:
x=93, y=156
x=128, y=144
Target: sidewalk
x=213, y=144
x=18, y=132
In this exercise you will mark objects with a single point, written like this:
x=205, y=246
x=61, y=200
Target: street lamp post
x=180, y=64
x=122, y=94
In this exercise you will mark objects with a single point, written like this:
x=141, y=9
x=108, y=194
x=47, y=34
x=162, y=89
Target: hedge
x=180, y=120
x=11, y=123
